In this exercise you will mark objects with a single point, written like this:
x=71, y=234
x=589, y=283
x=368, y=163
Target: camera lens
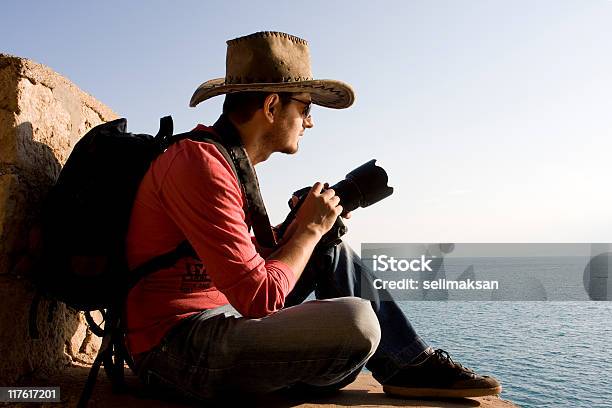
x=364, y=186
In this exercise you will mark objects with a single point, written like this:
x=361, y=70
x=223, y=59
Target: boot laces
x=444, y=357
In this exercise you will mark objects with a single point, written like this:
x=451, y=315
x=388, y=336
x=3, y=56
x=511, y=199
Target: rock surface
x=42, y=115
x=365, y=392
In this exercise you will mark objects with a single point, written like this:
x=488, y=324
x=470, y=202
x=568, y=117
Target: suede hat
x=270, y=61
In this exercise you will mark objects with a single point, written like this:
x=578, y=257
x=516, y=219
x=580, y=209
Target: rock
x=42, y=115
x=364, y=392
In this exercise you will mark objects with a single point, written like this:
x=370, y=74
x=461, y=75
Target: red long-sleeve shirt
x=190, y=192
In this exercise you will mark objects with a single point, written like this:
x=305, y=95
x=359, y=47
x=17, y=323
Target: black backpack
x=85, y=215
x=84, y=223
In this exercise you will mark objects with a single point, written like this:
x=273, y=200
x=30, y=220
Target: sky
x=492, y=118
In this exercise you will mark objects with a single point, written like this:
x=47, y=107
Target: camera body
x=362, y=187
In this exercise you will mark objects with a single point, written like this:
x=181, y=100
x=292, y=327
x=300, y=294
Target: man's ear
x=271, y=106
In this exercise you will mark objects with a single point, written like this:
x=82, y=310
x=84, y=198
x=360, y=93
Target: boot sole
x=440, y=392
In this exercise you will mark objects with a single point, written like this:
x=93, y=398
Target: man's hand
x=296, y=199
x=314, y=218
x=316, y=190
x=318, y=212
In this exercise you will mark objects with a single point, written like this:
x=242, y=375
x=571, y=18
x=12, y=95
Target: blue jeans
x=320, y=345
x=338, y=271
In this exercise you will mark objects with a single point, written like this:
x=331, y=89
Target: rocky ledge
x=365, y=392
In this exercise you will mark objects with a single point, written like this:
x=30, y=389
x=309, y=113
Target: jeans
x=322, y=344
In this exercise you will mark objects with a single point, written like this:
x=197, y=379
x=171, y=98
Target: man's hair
x=242, y=105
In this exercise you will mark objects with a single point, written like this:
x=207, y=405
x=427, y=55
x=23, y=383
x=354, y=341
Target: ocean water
x=546, y=354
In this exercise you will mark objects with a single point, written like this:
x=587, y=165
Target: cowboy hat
x=270, y=61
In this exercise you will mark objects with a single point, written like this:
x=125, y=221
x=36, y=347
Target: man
x=231, y=320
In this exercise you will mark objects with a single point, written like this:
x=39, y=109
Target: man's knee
x=359, y=319
x=358, y=332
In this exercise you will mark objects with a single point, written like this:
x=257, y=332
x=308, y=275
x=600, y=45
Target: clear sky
x=493, y=118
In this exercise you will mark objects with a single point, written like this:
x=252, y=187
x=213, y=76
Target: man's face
x=293, y=120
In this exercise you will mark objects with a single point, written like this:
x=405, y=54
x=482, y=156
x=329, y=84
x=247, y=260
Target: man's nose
x=308, y=122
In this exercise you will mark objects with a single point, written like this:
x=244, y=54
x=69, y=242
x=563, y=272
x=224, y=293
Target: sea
x=545, y=354
x=540, y=333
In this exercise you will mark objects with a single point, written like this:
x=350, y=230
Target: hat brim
x=324, y=92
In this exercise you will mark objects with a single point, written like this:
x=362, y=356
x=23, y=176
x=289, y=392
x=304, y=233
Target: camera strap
x=247, y=177
x=225, y=137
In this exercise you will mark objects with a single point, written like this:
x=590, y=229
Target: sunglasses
x=306, y=111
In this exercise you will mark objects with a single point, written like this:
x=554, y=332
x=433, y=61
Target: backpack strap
x=160, y=262
x=248, y=178
x=229, y=144
x=105, y=355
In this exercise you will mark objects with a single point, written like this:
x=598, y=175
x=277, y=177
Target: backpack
x=84, y=223
x=85, y=215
